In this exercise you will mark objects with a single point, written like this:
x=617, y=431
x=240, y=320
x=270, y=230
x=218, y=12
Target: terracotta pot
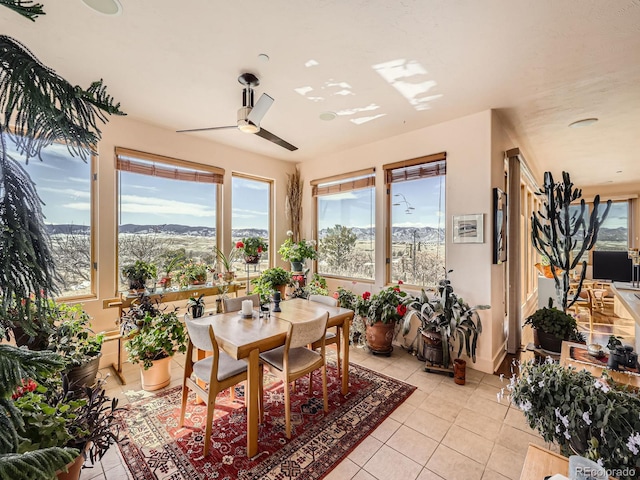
x=379, y=337
x=158, y=376
x=73, y=469
x=84, y=375
x=459, y=371
x=198, y=281
x=432, y=342
x=547, y=341
x=228, y=276
x=283, y=291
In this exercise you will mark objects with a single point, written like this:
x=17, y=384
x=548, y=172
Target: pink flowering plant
x=593, y=417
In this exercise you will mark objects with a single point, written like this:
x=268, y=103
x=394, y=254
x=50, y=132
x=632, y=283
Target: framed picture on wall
x=468, y=228
x=499, y=226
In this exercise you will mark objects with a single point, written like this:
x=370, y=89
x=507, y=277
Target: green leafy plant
x=346, y=298
x=138, y=273
x=555, y=322
x=251, y=246
x=159, y=337
x=72, y=337
x=265, y=285
x=173, y=260
x=195, y=305
x=592, y=417
x=291, y=251
x=192, y=272
x=450, y=316
x=225, y=260
x=563, y=234
x=386, y=306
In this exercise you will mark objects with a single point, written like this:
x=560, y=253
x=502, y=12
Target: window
x=168, y=208
x=416, y=242
x=614, y=231
x=345, y=207
x=64, y=184
x=251, y=215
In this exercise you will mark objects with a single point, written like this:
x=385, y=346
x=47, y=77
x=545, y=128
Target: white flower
x=566, y=435
x=289, y=233
x=586, y=418
x=549, y=360
x=526, y=406
x=541, y=383
x=502, y=377
x=558, y=428
x=633, y=443
x=602, y=385
x=600, y=462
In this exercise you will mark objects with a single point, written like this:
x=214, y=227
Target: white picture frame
x=468, y=228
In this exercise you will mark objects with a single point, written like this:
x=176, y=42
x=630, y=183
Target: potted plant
x=226, y=263
x=382, y=312
x=252, y=248
x=297, y=252
x=193, y=273
x=31, y=323
x=172, y=260
x=139, y=273
x=346, y=298
x=271, y=280
x=195, y=306
x=592, y=417
x=551, y=326
x=73, y=339
x=445, y=320
x=302, y=289
x=156, y=341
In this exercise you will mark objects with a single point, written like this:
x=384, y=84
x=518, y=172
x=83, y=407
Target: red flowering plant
x=386, y=306
x=251, y=246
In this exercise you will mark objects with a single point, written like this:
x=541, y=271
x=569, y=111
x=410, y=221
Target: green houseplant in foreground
x=552, y=326
x=592, y=417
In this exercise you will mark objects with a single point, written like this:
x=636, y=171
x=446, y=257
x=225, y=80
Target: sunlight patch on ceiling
x=311, y=63
x=352, y=111
x=330, y=88
x=409, y=78
x=361, y=120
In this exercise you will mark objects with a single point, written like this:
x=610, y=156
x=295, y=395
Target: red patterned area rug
x=156, y=448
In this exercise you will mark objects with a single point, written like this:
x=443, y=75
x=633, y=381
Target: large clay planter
x=84, y=375
x=158, y=376
x=459, y=371
x=547, y=341
x=379, y=337
x=73, y=468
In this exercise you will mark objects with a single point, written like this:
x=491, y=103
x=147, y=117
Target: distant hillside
x=613, y=234
x=168, y=229
x=399, y=234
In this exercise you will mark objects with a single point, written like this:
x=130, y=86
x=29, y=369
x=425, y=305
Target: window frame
x=172, y=162
x=341, y=184
x=388, y=226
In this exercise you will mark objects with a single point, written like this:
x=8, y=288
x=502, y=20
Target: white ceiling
x=385, y=67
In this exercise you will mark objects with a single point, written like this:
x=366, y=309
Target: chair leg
x=183, y=405
x=211, y=406
x=338, y=334
x=232, y=393
x=325, y=395
x=310, y=383
x=287, y=410
x=261, y=393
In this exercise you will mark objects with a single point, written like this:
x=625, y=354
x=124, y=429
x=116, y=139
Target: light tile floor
x=442, y=431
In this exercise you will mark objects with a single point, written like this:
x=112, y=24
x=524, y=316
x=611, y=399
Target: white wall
x=469, y=183
x=129, y=133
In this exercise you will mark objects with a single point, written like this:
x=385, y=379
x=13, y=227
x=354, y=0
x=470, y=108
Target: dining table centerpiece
x=297, y=252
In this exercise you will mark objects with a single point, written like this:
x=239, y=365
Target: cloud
x=245, y=212
x=250, y=184
x=66, y=191
x=83, y=206
x=154, y=205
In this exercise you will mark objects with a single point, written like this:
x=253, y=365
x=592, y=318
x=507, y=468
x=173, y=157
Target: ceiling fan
x=249, y=116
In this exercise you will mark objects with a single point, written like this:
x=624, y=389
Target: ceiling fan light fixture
x=105, y=7
x=585, y=122
x=248, y=127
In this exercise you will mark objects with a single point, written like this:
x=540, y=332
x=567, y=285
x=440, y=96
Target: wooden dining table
x=244, y=339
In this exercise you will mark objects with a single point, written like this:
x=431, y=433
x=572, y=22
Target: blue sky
x=250, y=200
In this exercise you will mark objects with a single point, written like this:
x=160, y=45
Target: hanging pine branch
x=26, y=8
x=564, y=236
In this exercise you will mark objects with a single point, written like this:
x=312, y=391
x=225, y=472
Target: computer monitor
x=614, y=266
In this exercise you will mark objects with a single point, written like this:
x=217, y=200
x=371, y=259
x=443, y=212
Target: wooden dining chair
x=331, y=338
x=294, y=360
x=217, y=372
x=235, y=304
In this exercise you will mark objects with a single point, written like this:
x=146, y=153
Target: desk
x=246, y=338
x=299, y=309
x=566, y=360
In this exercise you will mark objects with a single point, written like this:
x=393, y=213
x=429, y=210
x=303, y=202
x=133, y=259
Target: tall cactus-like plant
x=563, y=235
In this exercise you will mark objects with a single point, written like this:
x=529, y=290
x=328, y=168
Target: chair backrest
x=333, y=302
x=306, y=333
x=201, y=334
x=235, y=304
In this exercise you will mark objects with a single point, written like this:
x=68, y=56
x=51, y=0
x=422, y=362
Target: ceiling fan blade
x=275, y=139
x=205, y=129
x=260, y=108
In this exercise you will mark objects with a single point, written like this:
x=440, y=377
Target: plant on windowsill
x=139, y=273
x=251, y=248
x=297, y=252
x=172, y=260
x=269, y=281
x=445, y=320
x=193, y=273
x=225, y=263
x=551, y=326
x=592, y=417
x=159, y=337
